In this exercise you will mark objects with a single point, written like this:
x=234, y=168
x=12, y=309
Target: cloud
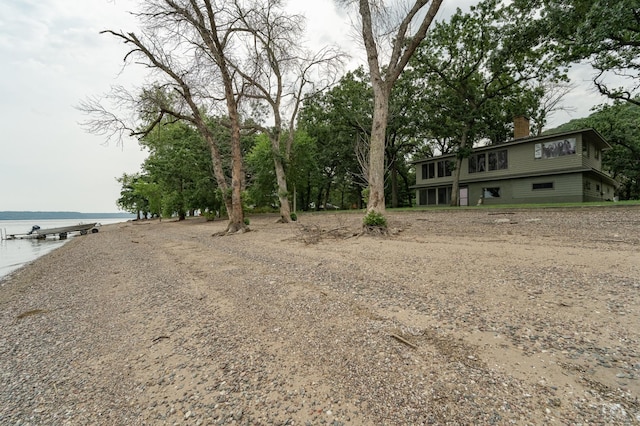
x=53, y=56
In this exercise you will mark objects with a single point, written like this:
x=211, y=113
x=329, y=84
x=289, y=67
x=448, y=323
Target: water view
x=16, y=253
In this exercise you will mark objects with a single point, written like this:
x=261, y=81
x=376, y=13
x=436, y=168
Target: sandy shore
x=458, y=317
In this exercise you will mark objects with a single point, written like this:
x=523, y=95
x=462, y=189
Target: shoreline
x=25, y=246
x=467, y=317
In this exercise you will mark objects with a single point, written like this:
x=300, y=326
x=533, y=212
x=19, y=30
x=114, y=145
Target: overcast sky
x=53, y=57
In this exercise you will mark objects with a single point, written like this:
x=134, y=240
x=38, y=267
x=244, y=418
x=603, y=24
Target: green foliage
x=374, y=219
x=340, y=121
x=209, y=215
x=247, y=221
x=294, y=217
x=177, y=176
x=365, y=195
x=335, y=121
x=262, y=186
x=474, y=72
x=262, y=210
x=605, y=34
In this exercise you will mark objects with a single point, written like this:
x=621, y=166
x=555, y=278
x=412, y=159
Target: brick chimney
x=520, y=127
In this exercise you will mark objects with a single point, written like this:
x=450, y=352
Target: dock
x=62, y=232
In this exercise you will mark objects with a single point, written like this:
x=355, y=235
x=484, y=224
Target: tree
x=278, y=72
x=131, y=200
x=217, y=56
x=475, y=70
x=604, y=33
x=178, y=163
x=339, y=120
x=382, y=35
x=550, y=102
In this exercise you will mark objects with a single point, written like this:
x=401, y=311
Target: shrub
x=294, y=217
x=374, y=219
x=247, y=221
x=209, y=215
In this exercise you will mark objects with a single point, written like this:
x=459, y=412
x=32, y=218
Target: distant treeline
x=61, y=215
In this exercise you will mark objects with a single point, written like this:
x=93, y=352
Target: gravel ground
x=457, y=317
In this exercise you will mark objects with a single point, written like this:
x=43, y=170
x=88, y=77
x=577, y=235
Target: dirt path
x=473, y=316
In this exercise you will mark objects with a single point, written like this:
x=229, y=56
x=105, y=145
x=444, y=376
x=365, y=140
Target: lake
x=16, y=253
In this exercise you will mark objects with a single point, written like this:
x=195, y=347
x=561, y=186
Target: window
x=472, y=164
x=477, y=163
x=434, y=196
x=587, y=185
x=427, y=197
x=596, y=154
x=444, y=196
x=542, y=185
x=498, y=160
x=585, y=149
x=444, y=168
x=481, y=163
x=428, y=171
x=490, y=192
x=555, y=149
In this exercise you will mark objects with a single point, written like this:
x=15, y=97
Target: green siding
x=575, y=177
x=521, y=160
x=566, y=188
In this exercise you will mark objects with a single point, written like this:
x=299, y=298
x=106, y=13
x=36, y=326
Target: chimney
x=520, y=127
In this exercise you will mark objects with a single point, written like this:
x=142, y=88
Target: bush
x=374, y=219
x=247, y=221
x=209, y=215
x=294, y=217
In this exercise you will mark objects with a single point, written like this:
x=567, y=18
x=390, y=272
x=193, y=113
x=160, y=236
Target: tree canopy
x=603, y=33
x=238, y=112
x=475, y=72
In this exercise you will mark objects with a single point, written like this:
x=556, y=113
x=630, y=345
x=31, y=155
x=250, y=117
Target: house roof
x=588, y=134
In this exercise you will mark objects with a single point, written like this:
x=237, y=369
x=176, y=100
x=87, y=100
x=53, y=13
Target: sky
x=53, y=57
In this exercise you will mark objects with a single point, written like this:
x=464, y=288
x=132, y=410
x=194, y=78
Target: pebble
x=276, y=331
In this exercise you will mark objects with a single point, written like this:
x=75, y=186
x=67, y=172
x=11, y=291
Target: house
x=562, y=167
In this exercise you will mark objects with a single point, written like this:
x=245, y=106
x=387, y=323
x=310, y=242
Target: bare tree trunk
x=281, y=179
x=216, y=160
x=403, y=44
x=376, y=201
x=455, y=187
x=236, y=214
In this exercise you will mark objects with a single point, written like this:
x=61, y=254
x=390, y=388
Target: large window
x=434, y=196
x=478, y=163
x=427, y=197
x=444, y=196
x=473, y=164
x=556, y=148
x=444, y=168
x=498, y=160
x=491, y=192
x=428, y=171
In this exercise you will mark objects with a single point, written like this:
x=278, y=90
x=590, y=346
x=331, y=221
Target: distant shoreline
x=42, y=215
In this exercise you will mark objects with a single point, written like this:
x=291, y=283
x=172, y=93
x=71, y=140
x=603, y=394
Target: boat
x=62, y=232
